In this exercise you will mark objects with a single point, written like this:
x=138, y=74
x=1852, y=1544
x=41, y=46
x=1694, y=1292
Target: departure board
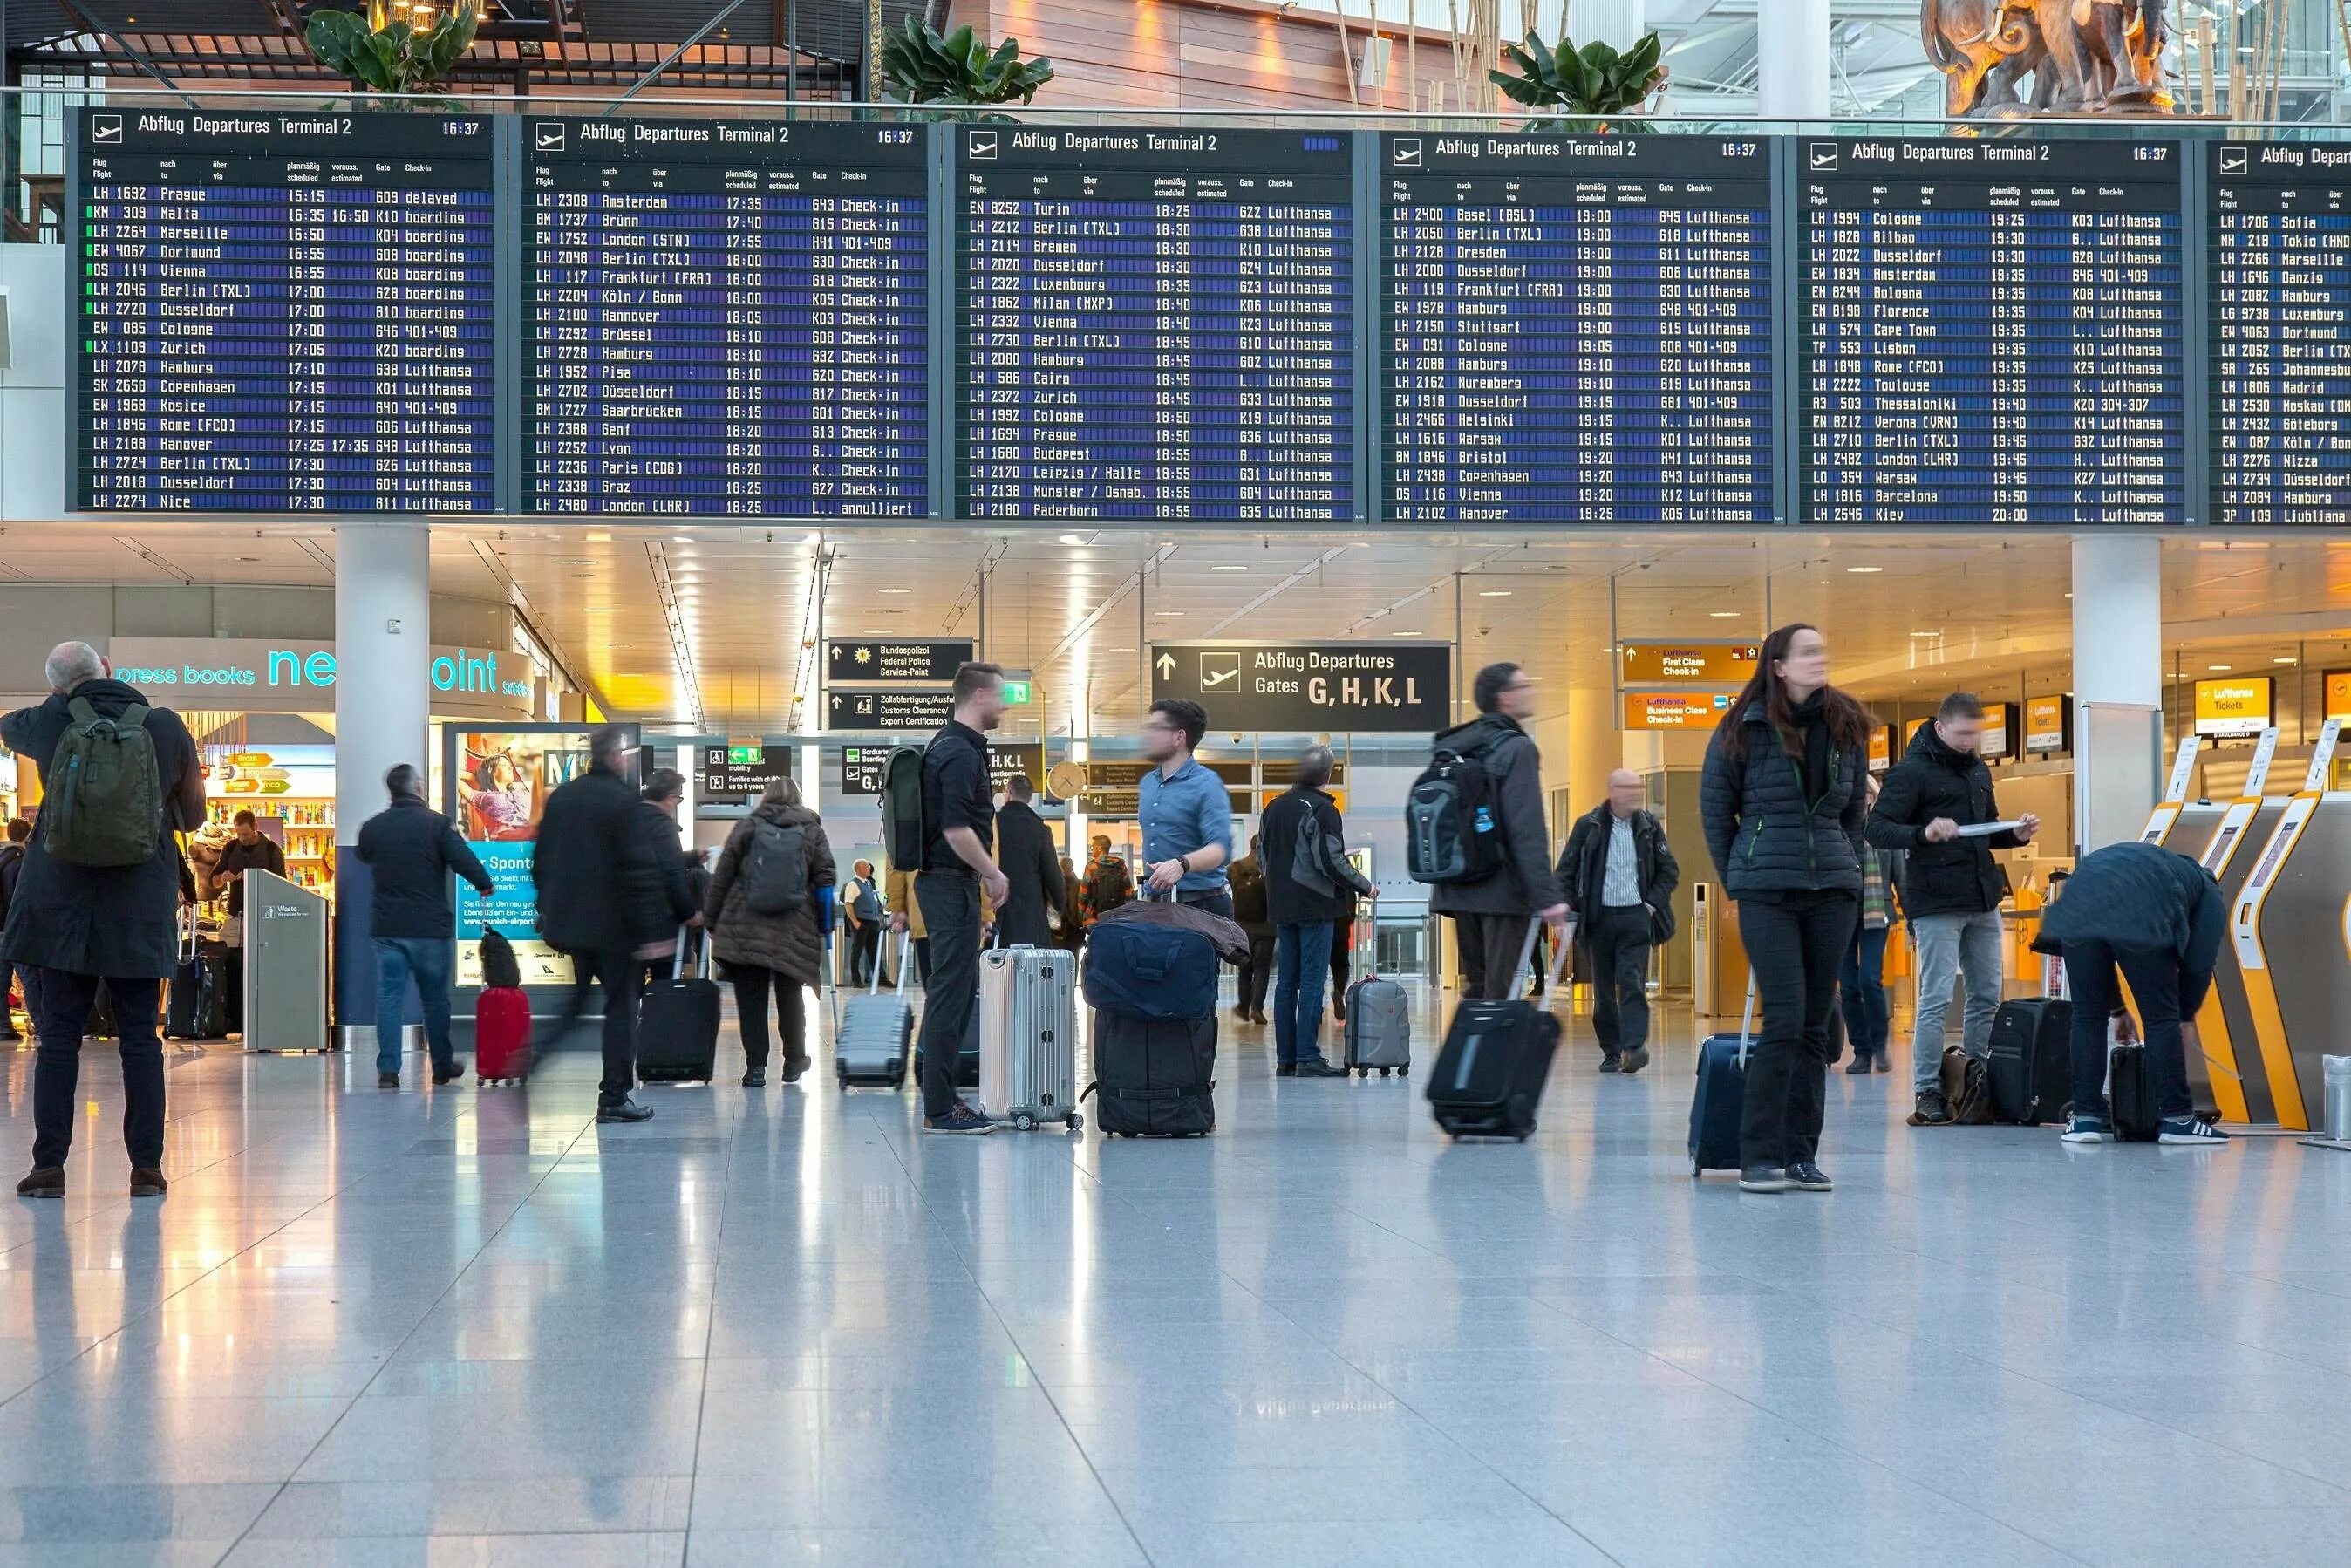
x=1576, y=329
x=727, y=318
x=283, y=311
x=1155, y=324
x=1991, y=332
x=2279, y=219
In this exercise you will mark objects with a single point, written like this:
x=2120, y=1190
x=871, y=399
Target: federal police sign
x=1309, y=686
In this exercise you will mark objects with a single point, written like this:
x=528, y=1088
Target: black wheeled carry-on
x=872, y=1040
x=677, y=1022
x=2030, y=1059
x=1721, y=1102
x=1490, y=1076
x=1154, y=1078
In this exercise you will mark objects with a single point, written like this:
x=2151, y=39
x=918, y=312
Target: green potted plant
x=1594, y=82
x=919, y=66
x=398, y=46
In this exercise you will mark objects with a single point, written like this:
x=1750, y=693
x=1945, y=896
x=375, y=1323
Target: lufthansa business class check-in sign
x=1309, y=685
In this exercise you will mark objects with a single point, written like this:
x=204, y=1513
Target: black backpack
x=1453, y=824
x=774, y=869
x=902, y=809
x=500, y=967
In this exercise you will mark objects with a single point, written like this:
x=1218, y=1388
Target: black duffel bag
x=1155, y=1077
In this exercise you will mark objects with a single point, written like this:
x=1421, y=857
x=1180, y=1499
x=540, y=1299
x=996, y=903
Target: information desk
x=727, y=318
x=1991, y=332
x=1576, y=329
x=1155, y=324
x=283, y=312
x=2279, y=225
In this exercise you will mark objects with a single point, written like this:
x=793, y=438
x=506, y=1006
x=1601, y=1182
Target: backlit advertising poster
x=500, y=781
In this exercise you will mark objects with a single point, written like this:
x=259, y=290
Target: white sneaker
x=2191, y=1129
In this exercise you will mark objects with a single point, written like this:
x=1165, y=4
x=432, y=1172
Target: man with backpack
x=12, y=863
x=958, y=824
x=1107, y=885
x=410, y=849
x=583, y=866
x=1474, y=830
x=1619, y=875
x=97, y=896
x=1310, y=887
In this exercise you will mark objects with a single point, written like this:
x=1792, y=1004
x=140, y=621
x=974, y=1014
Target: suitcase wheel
x=1405, y=1071
x=1383, y=1072
x=1363, y=1072
x=1025, y=1123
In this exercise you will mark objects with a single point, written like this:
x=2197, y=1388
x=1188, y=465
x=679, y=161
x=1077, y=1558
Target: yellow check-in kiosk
x=2216, y=833
x=2288, y=933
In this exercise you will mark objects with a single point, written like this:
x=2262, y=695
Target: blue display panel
x=1991, y=332
x=1578, y=330
x=727, y=318
x=283, y=311
x=2279, y=222
x=1155, y=324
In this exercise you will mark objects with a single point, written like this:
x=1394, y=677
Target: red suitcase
x=502, y=1035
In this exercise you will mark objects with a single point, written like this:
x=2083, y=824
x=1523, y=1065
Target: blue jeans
x=1302, y=964
x=427, y=959
x=1861, y=988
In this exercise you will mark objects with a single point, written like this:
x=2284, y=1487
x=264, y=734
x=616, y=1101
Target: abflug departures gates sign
x=1367, y=686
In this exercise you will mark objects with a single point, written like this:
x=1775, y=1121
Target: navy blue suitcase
x=1721, y=1099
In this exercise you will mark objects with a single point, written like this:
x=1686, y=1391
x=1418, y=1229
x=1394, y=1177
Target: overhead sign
x=909, y=661
x=860, y=769
x=1692, y=663
x=257, y=675
x=1008, y=758
x=2049, y=723
x=1675, y=710
x=2235, y=705
x=1309, y=685
x=741, y=772
x=889, y=708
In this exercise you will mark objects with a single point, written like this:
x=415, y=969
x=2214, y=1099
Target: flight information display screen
x=2279, y=222
x=1991, y=332
x=283, y=311
x=727, y=318
x=1576, y=329
x=1155, y=324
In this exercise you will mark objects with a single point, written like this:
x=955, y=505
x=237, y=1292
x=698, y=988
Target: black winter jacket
x=1932, y=780
x=1763, y=836
x=2138, y=898
x=1583, y=867
x=1032, y=875
x=121, y=922
x=1289, y=901
x=575, y=865
x=1525, y=882
x=410, y=849
x=656, y=894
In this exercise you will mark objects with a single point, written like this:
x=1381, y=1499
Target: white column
x=2118, y=645
x=383, y=664
x=1792, y=61
x=1619, y=23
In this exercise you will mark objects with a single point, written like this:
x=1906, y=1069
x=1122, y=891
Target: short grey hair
x=1314, y=765
x=70, y=663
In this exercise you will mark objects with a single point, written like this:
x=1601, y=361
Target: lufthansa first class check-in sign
x=1309, y=686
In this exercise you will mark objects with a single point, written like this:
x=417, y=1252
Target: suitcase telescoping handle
x=677, y=959
x=1747, y=1021
x=1558, y=955
x=905, y=956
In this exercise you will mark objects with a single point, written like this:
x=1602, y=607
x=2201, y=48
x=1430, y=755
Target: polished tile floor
x=780, y=1327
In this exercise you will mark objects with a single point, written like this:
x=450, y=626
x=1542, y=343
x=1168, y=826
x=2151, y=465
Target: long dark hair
x=1848, y=722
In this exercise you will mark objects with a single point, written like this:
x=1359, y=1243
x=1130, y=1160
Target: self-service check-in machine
x=2216, y=833
x=2288, y=932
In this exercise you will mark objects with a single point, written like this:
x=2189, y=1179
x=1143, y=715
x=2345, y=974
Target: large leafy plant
x=919, y=66
x=1594, y=80
x=385, y=51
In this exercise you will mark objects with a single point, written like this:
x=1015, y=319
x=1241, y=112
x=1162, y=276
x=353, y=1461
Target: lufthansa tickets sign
x=1309, y=686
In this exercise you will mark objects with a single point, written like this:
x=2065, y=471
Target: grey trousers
x=1950, y=945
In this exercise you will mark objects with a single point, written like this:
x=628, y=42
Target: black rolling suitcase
x=1719, y=1105
x=677, y=1022
x=1490, y=1075
x=2029, y=1060
x=1155, y=1078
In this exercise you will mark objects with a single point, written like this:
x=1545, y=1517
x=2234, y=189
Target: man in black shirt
x=248, y=852
x=959, y=824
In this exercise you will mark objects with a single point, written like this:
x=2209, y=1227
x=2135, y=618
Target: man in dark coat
x=12, y=865
x=71, y=927
x=581, y=866
x=1619, y=875
x=247, y=850
x=1490, y=915
x=1246, y=876
x=1310, y=887
x=412, y=849
x=1951, y=887
x=1025, y=852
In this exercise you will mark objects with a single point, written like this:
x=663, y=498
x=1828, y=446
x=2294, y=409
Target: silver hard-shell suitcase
x=871, y=1041
x=1379, y=1019
x=1028, y=1036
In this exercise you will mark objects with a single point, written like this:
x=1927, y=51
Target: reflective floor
x=782, y=1327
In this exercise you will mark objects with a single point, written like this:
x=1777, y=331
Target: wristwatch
x=1185, y=862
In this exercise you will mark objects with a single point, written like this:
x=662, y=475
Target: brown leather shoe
x=146, y=1181
x=45, y=1181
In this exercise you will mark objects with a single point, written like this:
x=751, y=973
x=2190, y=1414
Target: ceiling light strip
x=681, y=647
x=1094, y=617
x=1284, y=586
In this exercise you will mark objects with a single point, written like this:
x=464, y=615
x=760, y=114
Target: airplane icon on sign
x=549, y=137
x=1220, y=672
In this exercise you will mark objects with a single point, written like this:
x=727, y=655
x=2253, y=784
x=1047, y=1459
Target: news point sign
x=1369, y=687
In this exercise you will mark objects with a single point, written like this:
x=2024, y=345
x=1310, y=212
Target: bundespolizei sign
x=1367, y=686
x=884, y=661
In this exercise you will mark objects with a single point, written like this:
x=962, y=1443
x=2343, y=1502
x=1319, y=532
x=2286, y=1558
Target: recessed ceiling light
x=1925, y=633
x=1128, y=649
x=1228, y=569
x=2219, y=669
x=1864, y=570
x=1723, y=614
x=1167, y=615
x=1494, y=593
x=1078, y=540
x=876, y=632
x=1407, y=633
x=895, y=591
x=2283, y=659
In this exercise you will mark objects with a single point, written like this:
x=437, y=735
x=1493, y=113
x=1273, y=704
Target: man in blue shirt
x=1185, y=810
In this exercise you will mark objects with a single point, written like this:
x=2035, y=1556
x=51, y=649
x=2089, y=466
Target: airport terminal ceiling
x=705, y=627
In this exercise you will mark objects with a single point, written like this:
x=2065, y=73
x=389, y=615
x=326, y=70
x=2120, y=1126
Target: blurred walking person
x=767, y=923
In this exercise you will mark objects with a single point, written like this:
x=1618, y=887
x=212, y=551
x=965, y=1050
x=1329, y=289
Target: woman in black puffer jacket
x=1783, y=798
